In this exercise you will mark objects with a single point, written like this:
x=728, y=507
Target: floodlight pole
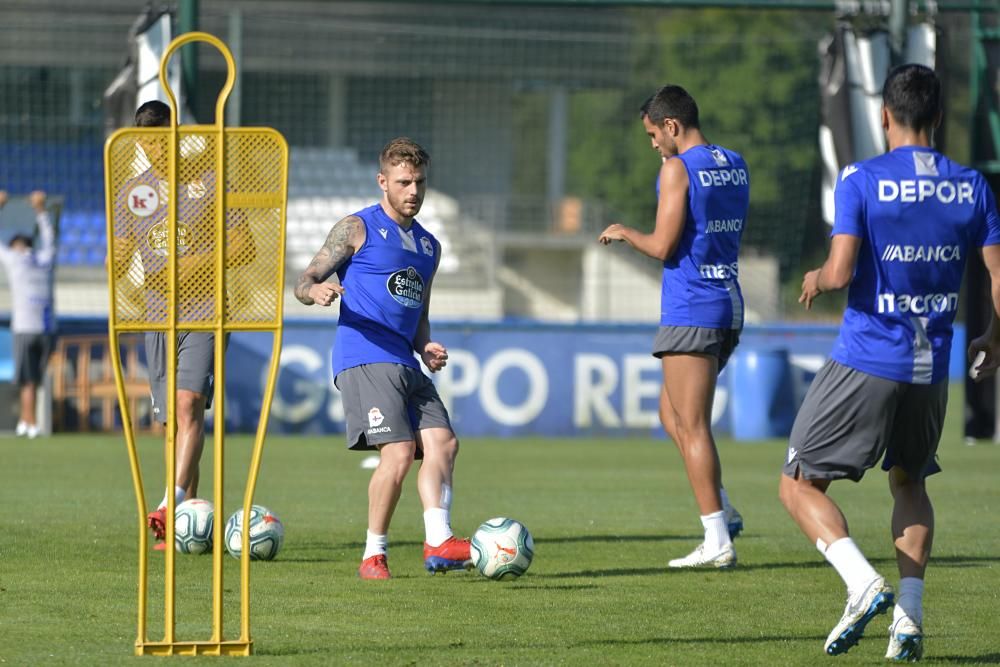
x=898, y=12
x=187, y=21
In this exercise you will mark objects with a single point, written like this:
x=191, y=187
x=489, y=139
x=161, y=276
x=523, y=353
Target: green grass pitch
x=606, y=516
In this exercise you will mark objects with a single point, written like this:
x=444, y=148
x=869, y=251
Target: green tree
x=753, y=74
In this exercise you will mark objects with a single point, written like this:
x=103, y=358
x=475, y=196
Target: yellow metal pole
x=133, y=458
x=170, y=592
x=218, y=325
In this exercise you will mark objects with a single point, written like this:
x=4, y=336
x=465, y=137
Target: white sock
x=375, y=545
x=437, y=525
x=850, y=563
x=725, y=500
x=716, y=532
x=910, y=601
x=179, y=494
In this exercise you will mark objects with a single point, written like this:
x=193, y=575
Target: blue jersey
x=918, y=215
x=700, y=285
x=385, y=286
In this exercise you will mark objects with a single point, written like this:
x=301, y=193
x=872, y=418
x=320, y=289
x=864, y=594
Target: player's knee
x=395, y=467
x=788, y=492
x=190, y=408
x=690, y=430
x=439, y=444
x=901, y=483
x=450, y=446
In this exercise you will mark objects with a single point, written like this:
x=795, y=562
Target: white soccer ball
x=502, y=549
x=194, y=521
x=266, y=534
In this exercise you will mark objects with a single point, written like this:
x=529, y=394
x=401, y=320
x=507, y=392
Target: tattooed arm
x=345, y=238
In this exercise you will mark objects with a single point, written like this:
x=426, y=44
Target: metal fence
x=529, y=113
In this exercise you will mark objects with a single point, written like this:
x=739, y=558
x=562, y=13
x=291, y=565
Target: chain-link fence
x=530, y=114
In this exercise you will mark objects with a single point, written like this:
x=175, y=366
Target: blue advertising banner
x=528, y=379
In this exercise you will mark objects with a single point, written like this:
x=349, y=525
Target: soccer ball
x=194, y=521
x=266, y=534
x=502, y=549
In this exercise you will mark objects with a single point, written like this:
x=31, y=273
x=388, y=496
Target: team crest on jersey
x=407, y=287
x=426, y=244
x=375, y=417
x=720, y=158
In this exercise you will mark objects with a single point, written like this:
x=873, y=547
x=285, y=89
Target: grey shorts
x=849, y=419
x=31, y=355
x=195, y=367
x=719, y=343
x=385, y=403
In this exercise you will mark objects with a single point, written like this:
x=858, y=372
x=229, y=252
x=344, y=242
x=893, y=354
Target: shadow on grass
x=946, y=561
x=964, y=561
x=522, y=586
x=615, y=538
x=756, y=639
x=617, y=572
x=985, y=659
x=361, y=545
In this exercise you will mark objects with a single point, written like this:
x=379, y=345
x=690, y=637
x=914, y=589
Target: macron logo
x=384, y=232
x=791, y=454
x=848, y=170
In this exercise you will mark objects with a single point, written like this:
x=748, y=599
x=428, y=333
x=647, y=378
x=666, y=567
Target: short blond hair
x=400, y=150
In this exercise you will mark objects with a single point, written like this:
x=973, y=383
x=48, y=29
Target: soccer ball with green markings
x=266, y=533
x=502, y=549
x=193, y=523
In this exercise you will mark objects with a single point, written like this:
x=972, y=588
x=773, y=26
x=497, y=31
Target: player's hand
x=37, y=200
x=615, y=232
x=435, y=356
x=810, y=288
x=324, y=294
x=984, y=354
x=3, y=198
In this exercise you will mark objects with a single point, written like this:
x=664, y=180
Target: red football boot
x=375, y=567
x=157, y=521
x=452, y=554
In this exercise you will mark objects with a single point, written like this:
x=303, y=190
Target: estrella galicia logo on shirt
x=158, y=235
x=407, y=287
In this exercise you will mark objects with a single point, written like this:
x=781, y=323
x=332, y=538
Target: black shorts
x=718, y=343
x=849, y=419
x=385, y=403
x=31, y=355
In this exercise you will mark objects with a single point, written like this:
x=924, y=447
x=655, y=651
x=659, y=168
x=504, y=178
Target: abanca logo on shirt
x=407, y=287
x=921, y=253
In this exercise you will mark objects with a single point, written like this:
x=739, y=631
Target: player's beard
x=406, y=206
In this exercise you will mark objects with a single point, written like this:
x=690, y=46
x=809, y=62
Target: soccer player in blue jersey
x=386, y=262
x=704, y=195
x=904, y=225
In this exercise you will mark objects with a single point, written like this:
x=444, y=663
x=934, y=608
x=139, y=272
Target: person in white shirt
x=29, y=274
